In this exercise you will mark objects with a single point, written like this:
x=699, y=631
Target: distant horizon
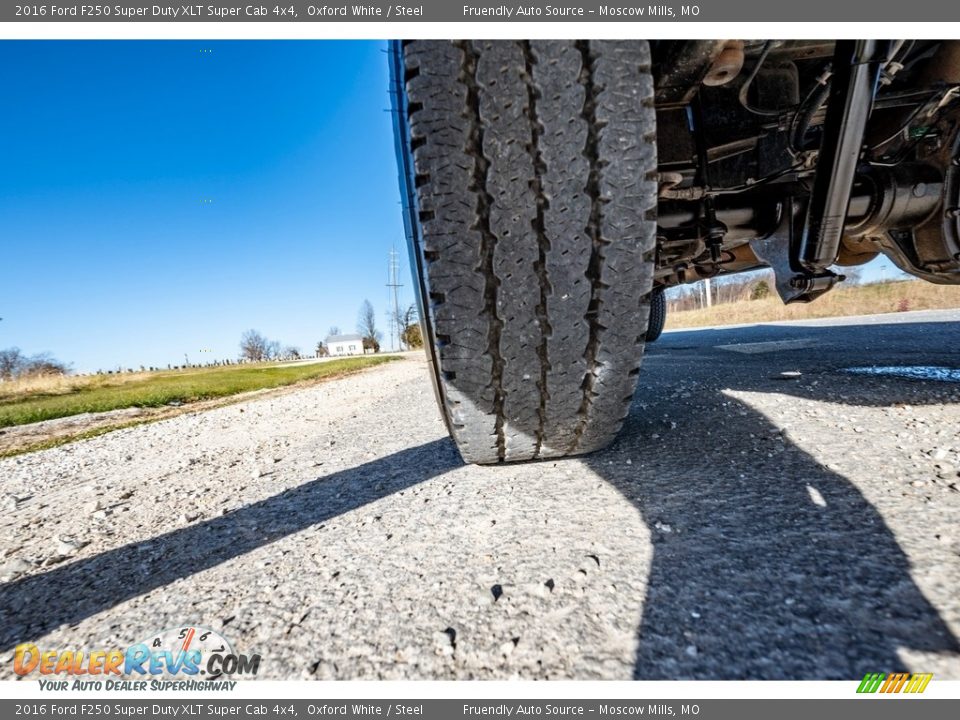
x=874, y=277
x=159, y=198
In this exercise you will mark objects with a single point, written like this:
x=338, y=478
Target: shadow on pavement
x=752, y=578
x=38, y=604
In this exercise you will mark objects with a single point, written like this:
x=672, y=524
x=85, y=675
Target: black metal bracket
x=713, y=230
x=774, y=251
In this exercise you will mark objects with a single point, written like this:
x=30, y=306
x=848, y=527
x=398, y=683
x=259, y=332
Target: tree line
x=14, y=365
x=256, y=347
x=737, y=288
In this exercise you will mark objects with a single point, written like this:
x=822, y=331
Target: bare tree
x=14, y=364
x=11, y=360
x=291, y=352
x=334, y=330
x=367, y=327
x=43, y=364
x=254, y=346
x=321, y=349
x=273, y=350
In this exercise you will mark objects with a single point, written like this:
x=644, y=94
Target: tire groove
x=543, y=244
x=593, y=231
x=489, y=239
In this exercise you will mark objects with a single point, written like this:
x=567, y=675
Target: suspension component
x=713, y=230
x=856, y=68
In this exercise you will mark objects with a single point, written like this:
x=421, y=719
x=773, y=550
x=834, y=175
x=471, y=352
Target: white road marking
x=770, y=346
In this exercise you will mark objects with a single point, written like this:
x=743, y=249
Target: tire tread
x=536, y=200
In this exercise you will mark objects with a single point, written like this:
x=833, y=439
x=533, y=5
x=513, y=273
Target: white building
x=345, y=345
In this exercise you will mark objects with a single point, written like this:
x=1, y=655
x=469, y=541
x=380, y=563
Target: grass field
x=32, y=400
x=887, y=297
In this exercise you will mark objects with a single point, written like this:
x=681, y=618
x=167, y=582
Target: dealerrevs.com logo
x=180, y=658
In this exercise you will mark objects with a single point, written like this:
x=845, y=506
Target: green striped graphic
x=871, y=682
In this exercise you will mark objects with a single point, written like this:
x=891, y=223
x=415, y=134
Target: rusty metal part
x=901, y=197
x=732, y=148
x=856, y=251
x=944, y=66
x=678, y=75
x=933, y=247
x=803, y=50
x=942, y=69
x=667, y=181
x=883, y=201
x=688, y=193
x=737, y=259
x=726, y=66
x=930, y=249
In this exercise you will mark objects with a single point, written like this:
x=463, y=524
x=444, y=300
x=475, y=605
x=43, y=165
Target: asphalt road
x=746, y=524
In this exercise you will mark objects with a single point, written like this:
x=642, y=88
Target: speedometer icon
x=187, y=646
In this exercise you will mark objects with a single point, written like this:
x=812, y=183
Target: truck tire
x=528, y=172
x=658, y=316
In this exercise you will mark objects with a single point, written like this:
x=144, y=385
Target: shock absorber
x=856, y=68
x=713, y=230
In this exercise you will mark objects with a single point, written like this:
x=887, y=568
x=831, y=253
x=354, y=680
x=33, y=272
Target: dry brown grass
x=888, y=297
x=64, y=384
x=161, y=389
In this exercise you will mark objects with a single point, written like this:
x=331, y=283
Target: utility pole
x=393, y=283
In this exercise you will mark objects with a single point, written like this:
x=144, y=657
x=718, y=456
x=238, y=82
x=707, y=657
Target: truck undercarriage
x=807, y=156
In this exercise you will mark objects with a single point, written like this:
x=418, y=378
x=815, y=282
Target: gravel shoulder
x=17, y=439
x=742, y=526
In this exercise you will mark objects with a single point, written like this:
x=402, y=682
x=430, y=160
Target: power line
x=393, y=282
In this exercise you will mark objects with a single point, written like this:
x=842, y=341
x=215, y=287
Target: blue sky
x=111, y=254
